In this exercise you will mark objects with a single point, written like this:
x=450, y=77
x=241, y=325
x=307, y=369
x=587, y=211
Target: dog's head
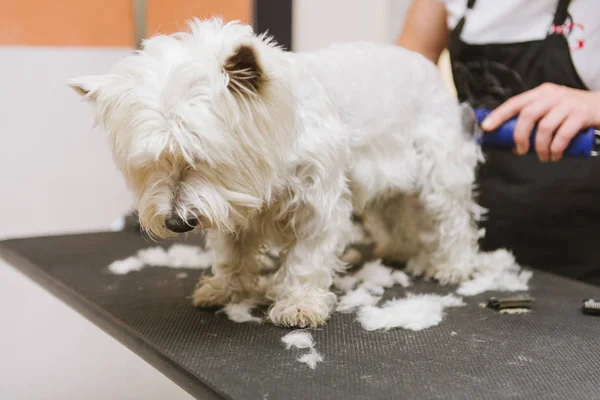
x=199, y=123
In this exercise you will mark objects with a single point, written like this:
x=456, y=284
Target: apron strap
x=454, y=43
x=561, y=13
x=459, y=27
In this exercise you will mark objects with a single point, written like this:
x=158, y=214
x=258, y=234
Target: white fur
x=375, y=274
x=355, y=299
x=373, y=277
x=500, y=280
x=154, y=256
x=299, y=339
x=415, y=312
x=185, y=256
x=498, y=272
x=400, y=278
x=312, y=358
x=346, y=282
x=373, y=288
x=129, y=264
x=356, y=126
x=303, y=340
x=177, y=256
x=242, y=312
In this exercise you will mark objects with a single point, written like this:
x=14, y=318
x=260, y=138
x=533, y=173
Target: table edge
x=98, y=317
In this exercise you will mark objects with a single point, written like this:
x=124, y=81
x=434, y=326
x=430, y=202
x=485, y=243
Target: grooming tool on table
x=591, y=307
x=513, y=302
x=585, y=144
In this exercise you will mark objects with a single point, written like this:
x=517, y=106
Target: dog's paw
x=310, y=310
x=416, y=266
x=212, y=292
x=448, y=275
x=353, y=256
x=222, y=290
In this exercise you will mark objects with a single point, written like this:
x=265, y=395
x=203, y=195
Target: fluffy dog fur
x=221, y=129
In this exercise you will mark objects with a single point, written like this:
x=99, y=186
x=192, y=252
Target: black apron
x=548, y=214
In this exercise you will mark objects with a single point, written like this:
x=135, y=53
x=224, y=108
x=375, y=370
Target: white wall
x=57, y=176
x=318, y=23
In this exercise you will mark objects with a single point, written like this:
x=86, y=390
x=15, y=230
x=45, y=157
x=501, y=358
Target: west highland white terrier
x=219, y=129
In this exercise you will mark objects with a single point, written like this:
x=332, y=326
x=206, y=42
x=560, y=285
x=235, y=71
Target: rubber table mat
x=475, y=353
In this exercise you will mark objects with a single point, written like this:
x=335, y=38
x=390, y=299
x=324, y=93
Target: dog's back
x=373, y=85
x=390, y=101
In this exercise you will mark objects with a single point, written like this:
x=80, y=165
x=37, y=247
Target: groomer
x=538, y=60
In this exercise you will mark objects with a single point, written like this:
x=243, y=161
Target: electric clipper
x=585, y=144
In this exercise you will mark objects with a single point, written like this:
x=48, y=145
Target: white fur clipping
x=356, y=299
x=400, y=278
x=121, y=267
x=303, y=340
x=242, y=312
x=502, y=281
x=372, y=288
x=300, y=339
x=184, y=256
x=311, y=358
x=178, y=256
x=498, y=271
x=415, y=312
x=376, y=274
x=154, y=256
x=373, y=277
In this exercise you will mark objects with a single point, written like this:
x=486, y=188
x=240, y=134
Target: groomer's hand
x=559, y=111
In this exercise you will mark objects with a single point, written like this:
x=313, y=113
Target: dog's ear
x=88, y=86
x=246, y=75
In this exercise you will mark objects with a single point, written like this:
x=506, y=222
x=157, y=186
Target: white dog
x=219, y=129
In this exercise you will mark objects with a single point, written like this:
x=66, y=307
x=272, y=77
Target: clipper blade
x=591, y=307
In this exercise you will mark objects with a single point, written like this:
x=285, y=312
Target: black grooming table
x=551, y=353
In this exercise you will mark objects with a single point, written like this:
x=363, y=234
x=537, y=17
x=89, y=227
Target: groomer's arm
x=425, y=29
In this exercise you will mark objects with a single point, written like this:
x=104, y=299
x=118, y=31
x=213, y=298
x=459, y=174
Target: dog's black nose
x=178, y=225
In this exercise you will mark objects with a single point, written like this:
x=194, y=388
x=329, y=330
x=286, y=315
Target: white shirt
x=510, y=21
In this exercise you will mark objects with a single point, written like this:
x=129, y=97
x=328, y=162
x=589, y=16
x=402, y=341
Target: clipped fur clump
x=303, y=340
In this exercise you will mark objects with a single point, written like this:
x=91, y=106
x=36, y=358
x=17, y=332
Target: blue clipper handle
x=502, y=138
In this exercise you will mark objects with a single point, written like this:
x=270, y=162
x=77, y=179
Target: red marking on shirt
x=575, y=34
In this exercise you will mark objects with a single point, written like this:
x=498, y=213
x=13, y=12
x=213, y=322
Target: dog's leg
x=360, y=249
x=302, y=292
x=236, y=273
x=395, y=223
x=449, y=244
x=303, y=298
x=379, y=230
x=449, y=240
